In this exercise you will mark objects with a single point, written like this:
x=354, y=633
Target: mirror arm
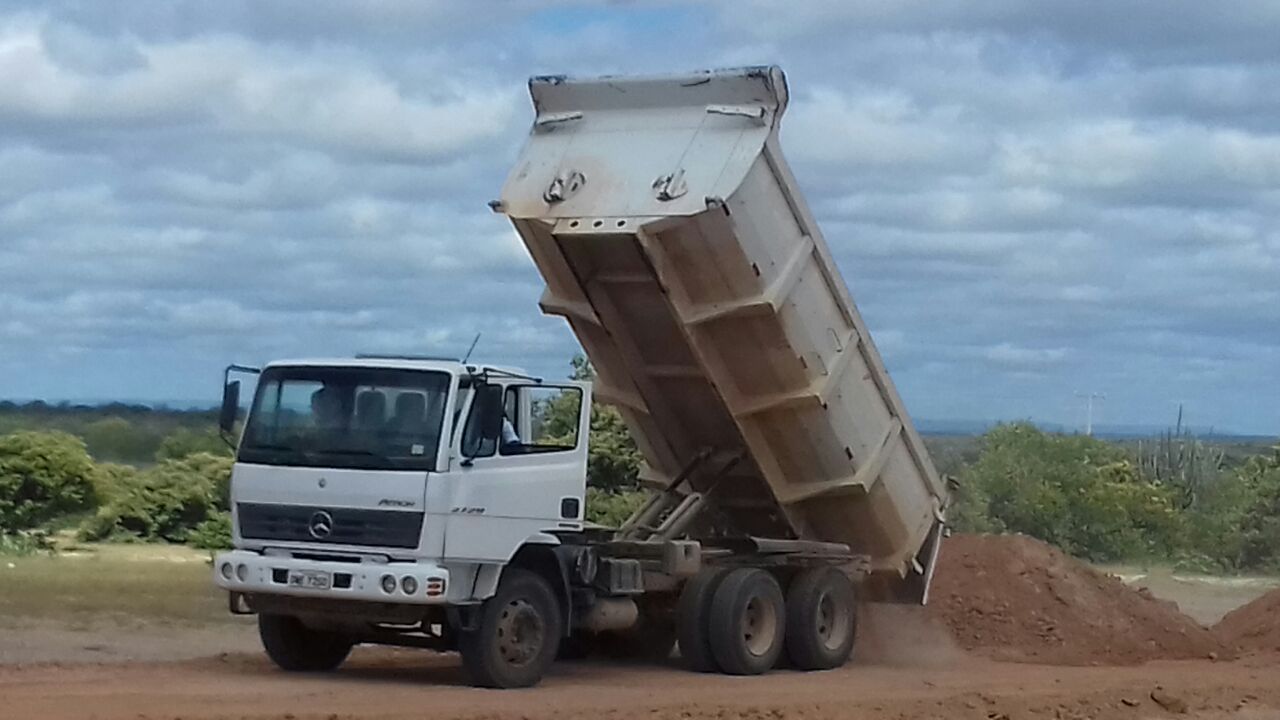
x=226, y=372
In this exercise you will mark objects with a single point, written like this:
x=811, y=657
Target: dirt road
x=386, y=684
x=1015, y=599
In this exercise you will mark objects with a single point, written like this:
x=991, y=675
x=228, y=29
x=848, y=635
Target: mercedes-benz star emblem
x=321, y=525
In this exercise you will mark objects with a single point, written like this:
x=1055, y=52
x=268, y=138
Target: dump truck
x=440, y=503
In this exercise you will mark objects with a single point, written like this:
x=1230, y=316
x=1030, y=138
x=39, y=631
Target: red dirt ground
x=1010, y=597
x=377, y=684
x=1255, y=626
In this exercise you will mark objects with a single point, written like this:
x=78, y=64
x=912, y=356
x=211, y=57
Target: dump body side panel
x=673, y=238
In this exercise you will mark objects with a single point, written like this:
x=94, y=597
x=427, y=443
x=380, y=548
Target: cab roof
x=399, y=363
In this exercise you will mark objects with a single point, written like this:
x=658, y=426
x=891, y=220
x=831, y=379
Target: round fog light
x=226, y=571
x=388, y=584
x=409, y=584
x=242, y=572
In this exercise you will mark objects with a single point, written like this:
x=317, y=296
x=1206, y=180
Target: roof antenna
x=471, y=349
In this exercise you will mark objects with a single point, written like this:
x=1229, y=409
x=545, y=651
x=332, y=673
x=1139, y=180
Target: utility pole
x=1089, y=398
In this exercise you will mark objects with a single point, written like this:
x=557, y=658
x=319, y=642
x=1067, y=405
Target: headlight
x=242, y=572
x=225, y=570
x=409, y=584
x=388, y=584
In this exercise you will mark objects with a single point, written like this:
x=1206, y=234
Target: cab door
x=524, y=474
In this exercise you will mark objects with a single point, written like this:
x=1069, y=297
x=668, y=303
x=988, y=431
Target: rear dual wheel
x=748, y=621
x=822, y=619
x=738, y=622
x=693, y=619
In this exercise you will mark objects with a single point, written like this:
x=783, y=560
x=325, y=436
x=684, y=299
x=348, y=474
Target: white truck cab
x=397, y=481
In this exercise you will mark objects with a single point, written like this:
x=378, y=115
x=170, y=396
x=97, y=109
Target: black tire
x=822, y=619
x=748, y=622
x=517, y=634
x=297, y=648
x=693, y=613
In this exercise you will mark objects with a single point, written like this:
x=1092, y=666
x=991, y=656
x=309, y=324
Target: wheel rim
x=832, y=622
x=521, y=632
x=759, y=625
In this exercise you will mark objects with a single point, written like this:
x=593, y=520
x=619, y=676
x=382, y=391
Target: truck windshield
x=368, y=418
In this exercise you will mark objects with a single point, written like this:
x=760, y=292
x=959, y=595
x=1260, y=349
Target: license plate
x=309, y=579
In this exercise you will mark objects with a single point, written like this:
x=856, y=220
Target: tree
x=612, y=508
x=43, y=475
x=613, y=460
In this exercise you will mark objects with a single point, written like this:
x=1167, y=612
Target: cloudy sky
x=1027, y=199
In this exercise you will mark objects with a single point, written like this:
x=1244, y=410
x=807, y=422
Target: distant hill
x=929, y=426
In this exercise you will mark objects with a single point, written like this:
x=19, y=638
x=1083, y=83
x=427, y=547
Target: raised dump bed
x=674, y=240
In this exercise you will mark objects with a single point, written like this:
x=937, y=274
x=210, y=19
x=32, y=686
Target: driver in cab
x=326, y=415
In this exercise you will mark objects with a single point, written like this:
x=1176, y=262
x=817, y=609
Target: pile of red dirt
x=1255, y=626
x=1011, y=597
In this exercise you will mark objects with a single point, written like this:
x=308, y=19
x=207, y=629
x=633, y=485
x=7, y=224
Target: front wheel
x=297, y=648
x=517, y=634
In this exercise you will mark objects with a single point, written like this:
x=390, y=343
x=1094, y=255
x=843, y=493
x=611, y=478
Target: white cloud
x=335, y=102
x=1025, y=199
x=1021, y=357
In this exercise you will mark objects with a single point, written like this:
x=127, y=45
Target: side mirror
x=230, y=406
x=491, y=415
x=484, y=423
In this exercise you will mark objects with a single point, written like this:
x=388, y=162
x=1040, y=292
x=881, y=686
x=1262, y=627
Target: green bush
x=109, y=479
x=25, y=543
x=1259, y=514
x=185, y=441
x=612, y=508
x=1076, y=492
x=213, y=534
x=115, y=438
x=43, y=475
x=164, y=502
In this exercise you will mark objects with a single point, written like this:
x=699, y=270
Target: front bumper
x=248, y=572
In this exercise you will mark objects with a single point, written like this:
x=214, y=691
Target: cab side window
x=541, y=419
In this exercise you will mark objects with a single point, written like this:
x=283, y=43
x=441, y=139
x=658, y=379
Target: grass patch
x=118, y=584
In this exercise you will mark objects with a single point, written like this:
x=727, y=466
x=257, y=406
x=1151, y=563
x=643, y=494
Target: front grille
x=377, y=528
